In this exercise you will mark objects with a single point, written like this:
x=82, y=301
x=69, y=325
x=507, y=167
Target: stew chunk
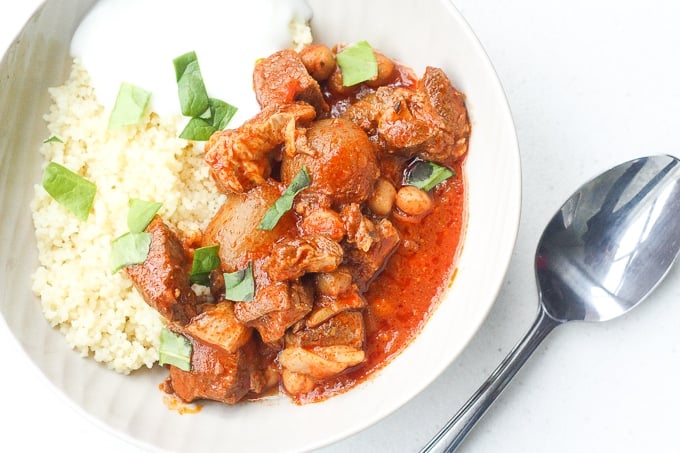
x=163, y=279
x=314, y=321
x=340, y=159
x=429, y=121
x=282, y=78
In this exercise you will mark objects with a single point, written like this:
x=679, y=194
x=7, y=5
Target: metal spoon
x=602, y=253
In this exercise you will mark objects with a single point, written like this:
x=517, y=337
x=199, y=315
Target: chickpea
x=413, y=201
x=319, y=61
x=382, y=198
x=385, y=70
x=325, y=222
x=334, y=84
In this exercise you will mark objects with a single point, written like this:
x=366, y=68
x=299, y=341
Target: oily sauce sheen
x=353, y=267
x=404, y=295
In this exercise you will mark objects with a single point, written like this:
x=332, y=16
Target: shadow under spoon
x=602, y=253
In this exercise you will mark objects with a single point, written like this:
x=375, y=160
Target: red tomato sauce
x=402, y=298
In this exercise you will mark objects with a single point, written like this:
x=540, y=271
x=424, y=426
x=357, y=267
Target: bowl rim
x=512, y=230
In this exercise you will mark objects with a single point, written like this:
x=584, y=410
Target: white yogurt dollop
x=135, y=41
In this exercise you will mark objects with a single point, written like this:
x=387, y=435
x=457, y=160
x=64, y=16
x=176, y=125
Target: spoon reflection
x=609, y=245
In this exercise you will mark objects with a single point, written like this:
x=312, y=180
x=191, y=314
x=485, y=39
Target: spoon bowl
x=604, y=251
x=611, y=242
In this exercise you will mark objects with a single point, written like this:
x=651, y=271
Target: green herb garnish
x=240, y=285
x=133, y=246
x=130, y=106
x=206, y=259
x=222, y=113
x=197, y=129
x=141, y=213
x=69, y=189
x=357, y=63
x=214, y=119
x=193, y=97
x=130, y=248
x=285, y=201
x=425, y=175
x=208, y=115
x=53, y=139
x=174, y=349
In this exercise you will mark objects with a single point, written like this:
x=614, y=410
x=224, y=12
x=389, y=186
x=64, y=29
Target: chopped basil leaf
x=357, y=63
x=69, y=189
x=130, y=106
x=205, y=260
x=174, y=349
x=201, y=128
x=208, y=115
x=222, y=113
x=240, y=285
x=130, y=248
x=133, y=246
x=52, y=139
x=285, y=201
x=141, y=213
x=197, y=129
x=193, y=97
x=425, y=175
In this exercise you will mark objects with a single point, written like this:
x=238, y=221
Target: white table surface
x=590, y=84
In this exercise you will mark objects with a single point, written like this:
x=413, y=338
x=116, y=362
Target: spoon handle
x=455, y=430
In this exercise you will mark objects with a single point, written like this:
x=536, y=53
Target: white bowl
x=416, y=32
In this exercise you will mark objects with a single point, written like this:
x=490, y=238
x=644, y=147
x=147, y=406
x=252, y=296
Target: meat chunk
x=429, y=121
x=276, y=307
x=360, y=229
x=323, y=351
x=235, y=226
x=218, y=326
x=327, y=307
x=387, y=115
x=345, y=328
x=453, y=134
x=308, y=202
x=240, y=159
x=217, y=374
x=293, y=258
x=163, y=278
x=340, y=159
x=282, y=78
x=320, y=362
x=302, y=368
x=365, y=265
